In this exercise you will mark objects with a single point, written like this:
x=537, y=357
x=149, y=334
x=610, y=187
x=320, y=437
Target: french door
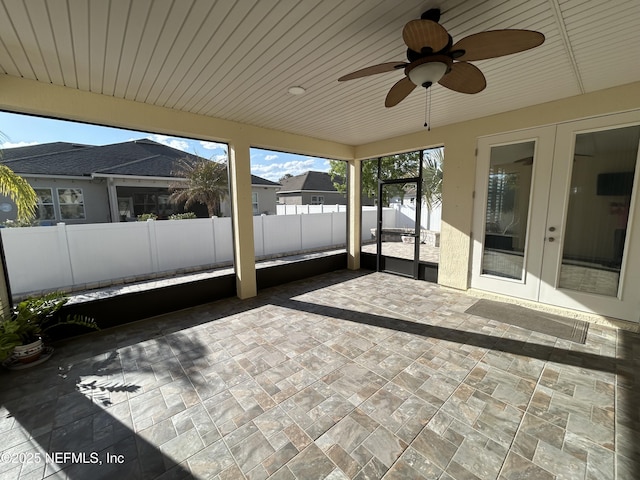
x=554, y=215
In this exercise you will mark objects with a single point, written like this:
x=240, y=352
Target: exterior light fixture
x=296, y=90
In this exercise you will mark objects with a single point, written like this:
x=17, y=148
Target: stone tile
x=597, y=433
x=497, y=420
x=350, y=345
x=477, y=453
x=354, y=382
x=159, y=433
x=519, y=468
x=311, y=464
x=298, y=437
x=272, y=421
x=464, y=405
x=541, y=430
x=211, y=460
x=252, y=451
x=600, y=460
x=280, y=458
x=457, y=471
x=373, y=469
x=383, y=362
x=343, y=460
x=385, y=446
x=434, y=448
x=264, y=389
x=181, y=447
x=413, y=465
x=563, y=465
x=283, y=474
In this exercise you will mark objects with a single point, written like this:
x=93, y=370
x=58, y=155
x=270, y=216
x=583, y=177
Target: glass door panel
x=399, y=240
x=507, y=210
x=604, y=164
x=510, y=211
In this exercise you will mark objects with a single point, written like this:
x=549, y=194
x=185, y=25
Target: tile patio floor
x=346, y=375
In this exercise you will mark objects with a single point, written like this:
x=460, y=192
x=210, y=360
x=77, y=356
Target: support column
x=354, y=228
x=113, y=200
x=242, y=218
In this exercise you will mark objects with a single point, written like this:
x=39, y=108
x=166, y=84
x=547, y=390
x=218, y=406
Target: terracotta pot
x=29, y=352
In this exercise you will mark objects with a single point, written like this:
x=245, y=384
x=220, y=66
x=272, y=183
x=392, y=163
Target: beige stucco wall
x=459, y=140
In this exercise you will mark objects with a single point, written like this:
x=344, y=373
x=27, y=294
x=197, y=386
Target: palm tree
x=432, y=177
x=18, y=190
x=207, y=183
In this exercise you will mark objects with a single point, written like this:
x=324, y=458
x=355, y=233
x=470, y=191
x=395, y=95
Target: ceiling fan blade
x=373, y=70
x=496, y=43
x=418, y=34
x=399, y=92
x=464, y=78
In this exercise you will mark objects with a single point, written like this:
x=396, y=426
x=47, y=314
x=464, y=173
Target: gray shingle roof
x=39, y=149
x=144, y=158
x=309, y=181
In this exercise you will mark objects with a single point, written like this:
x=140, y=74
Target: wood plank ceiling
x=236, y=59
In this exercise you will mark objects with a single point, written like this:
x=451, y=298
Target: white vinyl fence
x=94, y=255
x=429, y=219
x=75, y=257
x=302, y=209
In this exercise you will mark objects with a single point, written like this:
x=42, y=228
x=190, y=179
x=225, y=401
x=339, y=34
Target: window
x=254, y=202
x=317, y=200
x=71, y=203
x=145, y=203
x=45, y=209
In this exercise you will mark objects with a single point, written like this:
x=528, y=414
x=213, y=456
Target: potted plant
x=23, y=331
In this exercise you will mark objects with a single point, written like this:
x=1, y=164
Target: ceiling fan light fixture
x=428, y=73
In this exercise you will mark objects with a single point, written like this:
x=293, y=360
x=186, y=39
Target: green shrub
x=31, y=319
x=147, y=216
x=182, y=216
x=20, y=223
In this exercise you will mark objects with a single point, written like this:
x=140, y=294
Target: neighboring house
x=310, y=188
x=110, y=183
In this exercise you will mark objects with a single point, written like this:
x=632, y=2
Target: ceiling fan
x=434, y=58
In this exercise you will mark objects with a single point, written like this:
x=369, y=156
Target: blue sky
x=23, y=130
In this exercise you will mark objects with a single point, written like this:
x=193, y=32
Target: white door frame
x=548, y=208
x=626, y=305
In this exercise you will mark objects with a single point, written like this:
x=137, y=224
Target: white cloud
x=17, y=144
x=171, y=142
x=268, y=158
x=275, y=171
x=219, y=158
x=213, y=145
